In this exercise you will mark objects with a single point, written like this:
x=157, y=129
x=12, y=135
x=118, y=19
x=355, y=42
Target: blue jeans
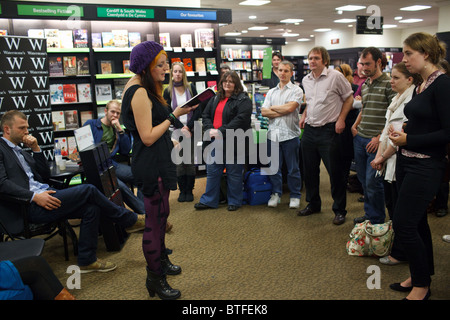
x=374, y=206
x=87, y=203
x=124, y=176
x=289, y=153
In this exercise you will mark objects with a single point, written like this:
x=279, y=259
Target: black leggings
x=37, y=274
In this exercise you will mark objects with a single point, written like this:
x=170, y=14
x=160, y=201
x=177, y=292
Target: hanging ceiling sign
x=191, y=15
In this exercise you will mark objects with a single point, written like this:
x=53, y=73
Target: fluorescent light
x=322, y=29
x=389, y=26
x=252, y=17
x=344, y=20
x=258, y=28
x=398, y=18
x=291, y=34
x=415, y=8
x=254, y=2
x=350, y=8
x=410, y=20
x=291, y=20
x=233, y=34
x=244, y=31
x=304, y=39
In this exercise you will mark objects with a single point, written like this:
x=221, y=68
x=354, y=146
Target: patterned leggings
x=153, y=241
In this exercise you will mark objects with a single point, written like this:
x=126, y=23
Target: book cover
x=200, y=86
x=120, y=38
x=200, y=65
x=85, y=116
x=70, y=65
x=72, y=145
x=186, y=40
x=108, y=39
x=204, y=38
x=62, y=141
x=58, y=120
x=175, y=60
x=71, y=118
x=150, y=37
x=188, y=64
x=106, y=67
x=212, y=83
x=96, y=40
x=56, y=94
x=103, y=92
x=70, y=93
x=134, y=38
x=3, y=32
x=164, y=39
x=36, y=33
x=66, y=39
x=80, y=38
x=55, y=66
x=119, y=85
x=126, y=66
x=52, y=36
x=84, y=92
x=211, y=64
x=82, y=66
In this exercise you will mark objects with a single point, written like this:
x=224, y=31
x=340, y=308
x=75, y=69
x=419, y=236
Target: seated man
x=23, y=175
x=108, y=129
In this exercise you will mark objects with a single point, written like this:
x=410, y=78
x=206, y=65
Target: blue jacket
x=123, y=141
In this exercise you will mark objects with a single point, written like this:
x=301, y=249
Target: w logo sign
x=13, y=43
x=36, y=44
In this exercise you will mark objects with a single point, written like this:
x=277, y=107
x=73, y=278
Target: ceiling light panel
x=258, y=28
x=415, y=8
x=344, y=20
x=292, y=20
x=254, y=2
x=350, y=8
x=410, y=20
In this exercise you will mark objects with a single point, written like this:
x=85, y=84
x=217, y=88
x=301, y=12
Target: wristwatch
x=171, y=118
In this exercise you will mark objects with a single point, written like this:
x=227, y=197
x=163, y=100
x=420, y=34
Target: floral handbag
x=368, y=239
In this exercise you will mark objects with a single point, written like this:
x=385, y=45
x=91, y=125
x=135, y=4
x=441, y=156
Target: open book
x=201, y=97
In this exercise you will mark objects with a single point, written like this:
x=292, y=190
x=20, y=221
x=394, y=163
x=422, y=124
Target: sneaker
x=294, y=203
x=274, y=200
x=98, y=266
x=139, y=225
x=446, y=238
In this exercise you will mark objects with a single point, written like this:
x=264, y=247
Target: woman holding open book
x=145, y=114
x=178, y=92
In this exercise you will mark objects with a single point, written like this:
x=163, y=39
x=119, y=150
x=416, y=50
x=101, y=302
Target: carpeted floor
x=255, y=253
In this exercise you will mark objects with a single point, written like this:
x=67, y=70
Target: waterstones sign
x=24, y=85
x=49, y=11
x=130, y=13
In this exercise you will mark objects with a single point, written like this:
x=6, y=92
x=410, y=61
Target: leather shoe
x=339, y=219
x=232, y=208
x=201, y=206
x=360, y=219
x=307, y=211
x=398, y=287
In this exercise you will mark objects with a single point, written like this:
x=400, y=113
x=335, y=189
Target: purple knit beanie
x=143, y=54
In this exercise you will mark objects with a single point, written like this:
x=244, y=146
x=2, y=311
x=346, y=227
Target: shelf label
x=191, y=15
x=49, y=11
x=133, y=13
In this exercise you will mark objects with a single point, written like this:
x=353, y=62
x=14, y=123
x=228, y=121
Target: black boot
x=168, y=267
x=190, y=182
x=182, y=187
x=158, y=284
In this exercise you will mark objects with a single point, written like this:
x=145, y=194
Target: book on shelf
x=150, y=37
x=36, y=33
x=85, y=116
x=84, y=92
x=134, y=38
x=204, y=38
x=126, y=66
x=103, y=92
x=52, y=36
x=71, y=118
x=55, y=66
x=70, y=93
x=200, y=86
x=164, y=39
x=71, y=145
x=172, y=60
x=56, y=93
x=211, y=84
x=187, y=62
x=100, y=112
x=105, y=66
x=108, y=39
x=62, y=142
x=96, y=40
x=211, y=64
x=70, y=65
x=80, y=38
x=58, y=121
x=66, y=39
x=82, y=66
x=3, y=32
x=120, y=38
x=200, y=65
x=119, y=85
x=186, y=40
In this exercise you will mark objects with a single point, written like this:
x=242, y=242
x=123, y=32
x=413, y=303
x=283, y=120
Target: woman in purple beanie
x=146, y=115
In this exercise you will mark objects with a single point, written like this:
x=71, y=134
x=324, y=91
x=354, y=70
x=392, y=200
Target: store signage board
x=123, y=13
x=49, y=11
x=191, y=15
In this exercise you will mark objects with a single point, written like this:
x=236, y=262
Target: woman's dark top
x=150, y=163
x=428, y=114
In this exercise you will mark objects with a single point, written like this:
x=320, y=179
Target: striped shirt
x=376, y=98
x=285, y=127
